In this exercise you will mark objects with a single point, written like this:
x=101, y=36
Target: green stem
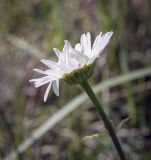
x=106, y=121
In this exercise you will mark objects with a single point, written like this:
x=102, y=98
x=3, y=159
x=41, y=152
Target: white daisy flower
x=74, y=64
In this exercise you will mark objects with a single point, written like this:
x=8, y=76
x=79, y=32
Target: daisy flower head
x=74, y=65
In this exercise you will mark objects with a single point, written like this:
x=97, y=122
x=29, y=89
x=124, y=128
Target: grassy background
x=29, y=30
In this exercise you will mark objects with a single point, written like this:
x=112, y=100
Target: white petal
x=55, y=66
x=55, y=85
x=78, y=54
x=82, y=62
x=50, y=64
x=37, y=79
x=92, y=59
x=66, y=55
x=88, y=41
x=105, y=39
x=83, y=44
x=86, y=44
x=66, y=52
x=47, y=91
x=39, y=71
x=53, y=73
x=78, y=47
x=32, y=80
x=96, y=40
x=101, y=43
x=67, y=43
x=38, y=84
x=42, y=81
x=57, y=51
x=63, y=56
x=73, y=64
x=48, y=72
x=43, y=72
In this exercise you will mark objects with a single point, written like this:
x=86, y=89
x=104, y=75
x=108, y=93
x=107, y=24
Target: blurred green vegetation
x=29, y=30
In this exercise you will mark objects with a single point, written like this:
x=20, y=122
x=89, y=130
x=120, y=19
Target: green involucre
x=79, y=75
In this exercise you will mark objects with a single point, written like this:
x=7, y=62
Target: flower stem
x=85, y=85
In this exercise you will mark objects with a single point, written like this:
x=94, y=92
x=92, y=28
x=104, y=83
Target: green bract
x=79, y=75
